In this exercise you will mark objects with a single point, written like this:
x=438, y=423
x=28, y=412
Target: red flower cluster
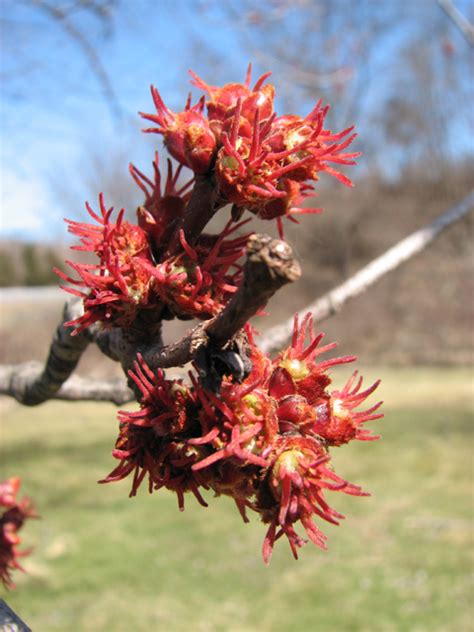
x=265, y=438
x=200, y=280
x=258, y=161
x=161, y=211
x=119, y=285
x=13, y=515
x=127, y=280
x=265, y=442
x=261, y=161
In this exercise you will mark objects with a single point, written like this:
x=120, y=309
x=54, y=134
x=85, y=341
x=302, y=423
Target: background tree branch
x=270, y=264
x=329, y=304
x=33, y=383
x=465, y=27
x=63, y=16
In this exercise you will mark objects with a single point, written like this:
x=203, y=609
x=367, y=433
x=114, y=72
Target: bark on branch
x=32, y=383
x=200, y=210
x=15, y=378
x=458, y=19
x=269, y=265
x=329, y=304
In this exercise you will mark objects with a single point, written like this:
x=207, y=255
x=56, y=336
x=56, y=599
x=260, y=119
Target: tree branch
x=329, y=304
x=31, y=383
x=90, y=53
x=15, y=379
x=466, y=28
x=270, y=264
x=200, y=210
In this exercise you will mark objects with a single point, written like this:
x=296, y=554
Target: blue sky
x=52, y=105
x=53, y=111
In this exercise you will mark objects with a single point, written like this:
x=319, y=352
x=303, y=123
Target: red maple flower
x=294, y=139
x=187, y=135
x=297, y=370
x=119, y=285
x=264, y=441
x=238, y=426
x=161, y=210
x=223, y=100
x=166, y=462
x=248, y=171
x=263, y=162
x=199, y=281
x=13, y=515
x=164, y=404
x=298, y=480
x=242, y=421
x=255, y=429
x=151, y=440
x=338, y=422
x=263, y=165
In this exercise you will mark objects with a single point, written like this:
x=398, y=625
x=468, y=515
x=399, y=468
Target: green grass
x=401, y=561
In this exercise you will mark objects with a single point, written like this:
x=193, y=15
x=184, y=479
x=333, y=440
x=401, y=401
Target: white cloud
x=25, y=207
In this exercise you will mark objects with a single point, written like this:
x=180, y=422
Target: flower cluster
x=258, y=161
x=14, y=512
x=265, y=442
x=199, y=281
x=256, y=429
x=114, y=289
x=128, y=280
x=261, y=161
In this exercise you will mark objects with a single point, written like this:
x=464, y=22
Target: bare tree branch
x=329, y=304
x=90, y=53
x=270, y=264
x=32, y=384
x=301, y=76
x=466, y=28
x=15, y=378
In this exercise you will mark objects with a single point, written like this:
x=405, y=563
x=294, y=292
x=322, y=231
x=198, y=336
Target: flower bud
x=295, y=410
x=199, y=146
x=187, y=135
x=281, y=384
x=261, y=100
x=190, y=140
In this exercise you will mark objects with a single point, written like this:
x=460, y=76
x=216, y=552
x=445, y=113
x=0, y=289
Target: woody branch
x=31, y=383
x=270, y=265
x=331, y=303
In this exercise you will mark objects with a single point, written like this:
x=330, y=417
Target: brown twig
x=270, y=264
x=200, y=210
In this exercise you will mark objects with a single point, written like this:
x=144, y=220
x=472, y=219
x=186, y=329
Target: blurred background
x=74, y=74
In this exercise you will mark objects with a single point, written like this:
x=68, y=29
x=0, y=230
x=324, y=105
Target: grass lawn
x=401, y=561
